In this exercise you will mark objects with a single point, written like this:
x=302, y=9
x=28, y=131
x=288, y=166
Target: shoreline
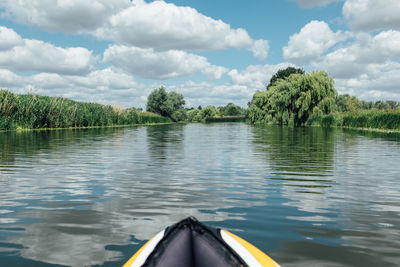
x=377, y=130
x=368, y=129
x=84, y=127
x=389, y=131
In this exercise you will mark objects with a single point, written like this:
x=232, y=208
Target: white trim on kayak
x=241, y=250
x=140, y=260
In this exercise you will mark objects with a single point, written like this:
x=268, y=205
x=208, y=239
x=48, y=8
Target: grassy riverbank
x=34, y=112
x=367, y=119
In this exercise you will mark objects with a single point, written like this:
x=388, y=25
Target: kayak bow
x=191, y=243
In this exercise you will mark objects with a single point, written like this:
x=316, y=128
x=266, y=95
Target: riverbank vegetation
x=166, y=104
x=34, y=111
x=296, y=98
x=228, y=113
x=366, y=119
x=171, y=105
x=292, y=98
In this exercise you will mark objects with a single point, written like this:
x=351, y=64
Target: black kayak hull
x=191, y=243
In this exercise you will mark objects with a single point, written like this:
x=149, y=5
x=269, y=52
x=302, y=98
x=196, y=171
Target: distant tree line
x=171, y=105
x=292, y=97
x=347, y=103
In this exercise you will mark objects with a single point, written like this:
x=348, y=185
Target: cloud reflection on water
x=345, y=190
x=101, y=189
x=71, y=197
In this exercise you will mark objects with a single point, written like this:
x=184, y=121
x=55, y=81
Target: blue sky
x=213, y=52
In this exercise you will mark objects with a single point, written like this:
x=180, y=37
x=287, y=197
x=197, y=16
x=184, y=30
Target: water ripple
x=91, y=197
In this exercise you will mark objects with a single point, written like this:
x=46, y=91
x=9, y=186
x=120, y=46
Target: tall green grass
x=34, y=111
x=374, y=119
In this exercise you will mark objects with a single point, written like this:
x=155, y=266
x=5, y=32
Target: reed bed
x=373, y=119
x=34, y=112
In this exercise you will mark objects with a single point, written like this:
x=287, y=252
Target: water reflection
x=293, y=151
x=75, y=198
x=301, y=162
x=164, y=139
x=305, y=195
x=31, y=143
x=344, y=188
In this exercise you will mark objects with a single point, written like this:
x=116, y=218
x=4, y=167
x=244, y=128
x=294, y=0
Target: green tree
x=256, y=112
x=283, y=74
x=231, y=110
x=341, y=102
x=392, y=104
x=367, y=104
x=353, y=104
x=174, y=102
x=208, y=112
x=163, y=103
x=179, y=115
x=293, y=100
x=347, y=103
x=385, y=105
x=194, y=115
x=156, y=101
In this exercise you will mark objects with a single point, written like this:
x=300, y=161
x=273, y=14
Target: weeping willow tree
x=291, y=101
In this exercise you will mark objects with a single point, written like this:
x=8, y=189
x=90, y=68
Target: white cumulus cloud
x=104, y=79
x=358, y=58
x=9, y=79
x=370, y=15
x=380, y=82
x=150, y=64
x=260, y=49
x=39, y=56
x=367, y=67
x=363, y=64
x=107, y=86
x=156, y=24
x=205, y=94
x=110, y=85
x=314, y=39
x=9, y=38
x=256, y=76
x=63, y=15
x=165, y=26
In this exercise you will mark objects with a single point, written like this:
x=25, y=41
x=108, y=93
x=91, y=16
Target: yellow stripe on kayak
x=133, y=258
x=258, y=254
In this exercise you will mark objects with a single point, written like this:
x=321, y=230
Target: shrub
x=328, y=120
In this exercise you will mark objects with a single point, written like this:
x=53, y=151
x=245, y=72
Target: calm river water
x=306, y=196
